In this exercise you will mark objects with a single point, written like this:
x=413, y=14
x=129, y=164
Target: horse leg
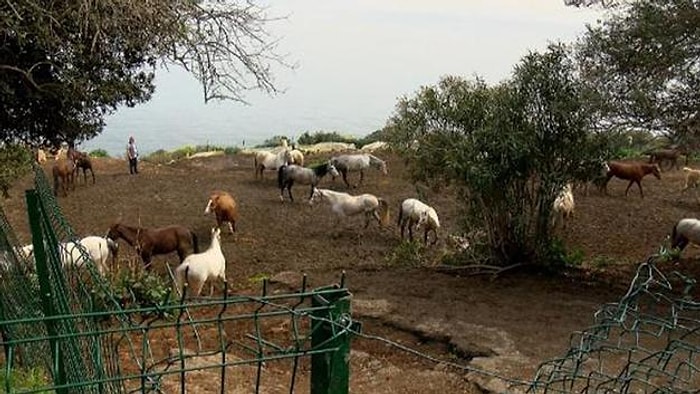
x=146, y=258
x=425, y=236
x=403, y=227
x=289, y=191
x=362, y=177
x=628, y=187
x=345, y=178
x=410, y=231
x=639, y=184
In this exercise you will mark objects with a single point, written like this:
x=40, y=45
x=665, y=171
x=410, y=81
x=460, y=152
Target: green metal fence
x=67, y=323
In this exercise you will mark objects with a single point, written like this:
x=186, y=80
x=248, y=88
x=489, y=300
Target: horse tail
x=385, y=211
x=195, y=243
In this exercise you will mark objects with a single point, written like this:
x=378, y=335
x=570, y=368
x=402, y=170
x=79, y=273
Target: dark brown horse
x=154, y=241
x=669, y=155
x=82, y=162
x=633, y=172
x=63, y=175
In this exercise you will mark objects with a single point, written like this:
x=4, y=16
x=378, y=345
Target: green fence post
x=42, y=271
x=330, y=371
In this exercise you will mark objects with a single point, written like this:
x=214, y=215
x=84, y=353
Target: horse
x=197, y=268
x=344, y=205
x=224, y=207
x=669, y=155
x=265, y=160
x=685, y=231
x=357, y=162
x=99, y=249
x=413, y=212
x=63, y=169
x=155, y=241
x=634, y=172
x=288, y=174
x=82, y=161
x=296, y=157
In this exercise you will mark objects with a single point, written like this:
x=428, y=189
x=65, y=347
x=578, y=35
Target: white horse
x=296, y=157
x=98, y=249
x=265, y=160
x=197, y=268
x=357, y=162
x=414, y=212
x=344, y=205
x=685, y=231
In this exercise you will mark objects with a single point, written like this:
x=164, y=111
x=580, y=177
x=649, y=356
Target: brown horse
x=82, y=162
x=154, y=241
x=63, y=175
x=669, y=155
x=633, y=172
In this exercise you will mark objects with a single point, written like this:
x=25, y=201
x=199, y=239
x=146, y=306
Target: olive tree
x=64, y=65
x=507, y=149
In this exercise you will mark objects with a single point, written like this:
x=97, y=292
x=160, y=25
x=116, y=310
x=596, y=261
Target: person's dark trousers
x=132, y=166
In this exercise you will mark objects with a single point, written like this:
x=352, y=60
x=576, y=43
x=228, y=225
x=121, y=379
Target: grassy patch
x=258, y=278
x=24, y=380
x=99, y=153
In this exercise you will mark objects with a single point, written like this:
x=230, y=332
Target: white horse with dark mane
x=265, y=160
x=344, y=205
x=414, y=212
x=357, y=162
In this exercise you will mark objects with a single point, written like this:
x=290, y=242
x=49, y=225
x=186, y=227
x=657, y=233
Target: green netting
x=50, y=319
x=648, y=342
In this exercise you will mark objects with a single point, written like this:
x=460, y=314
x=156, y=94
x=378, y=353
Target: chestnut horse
x=81, y=161
x=633, y=172
x=154, y=241
x=63, y=174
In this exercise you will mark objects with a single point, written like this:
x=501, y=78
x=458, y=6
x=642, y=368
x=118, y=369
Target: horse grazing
x=265, y=160
x=669, y=155
x=224, y=208
x=155, y=241
x=99, y=249
x=357, y=162
x=62, y=170
x=197, y=268
x=288, y=174
x=633, y=172
x=413, y=212
x=344, y=205
x=685, y=231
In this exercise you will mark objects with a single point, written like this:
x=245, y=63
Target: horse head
x=316, y=195
x=656, y=171
x=332, y=170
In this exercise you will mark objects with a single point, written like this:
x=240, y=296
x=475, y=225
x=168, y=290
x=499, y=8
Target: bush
x=323, y=136
x=25, y=380
x=272, y=142
x=139, y=289
x=99, y=153
x=407, y=253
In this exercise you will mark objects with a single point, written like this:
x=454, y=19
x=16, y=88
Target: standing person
x=133, y=155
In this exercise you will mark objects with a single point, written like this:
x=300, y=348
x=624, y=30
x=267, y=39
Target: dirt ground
x=418, y=307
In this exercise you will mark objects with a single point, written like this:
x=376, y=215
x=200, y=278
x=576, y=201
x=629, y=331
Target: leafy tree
x=642, y=64
x=65, y=65
x=507, y=149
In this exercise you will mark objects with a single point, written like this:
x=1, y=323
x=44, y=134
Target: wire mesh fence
x=66, y=321
x=60, y=316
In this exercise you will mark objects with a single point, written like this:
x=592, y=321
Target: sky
x=354, y=60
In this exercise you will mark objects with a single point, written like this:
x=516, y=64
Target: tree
x=642, y=65
x=65, y=65
x=508, y=149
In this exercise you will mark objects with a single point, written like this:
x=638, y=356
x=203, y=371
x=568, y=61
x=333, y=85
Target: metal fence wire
x=66, y=322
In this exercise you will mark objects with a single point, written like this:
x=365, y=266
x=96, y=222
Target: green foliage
x=15, y=162
x=323, y=136
x=508, y=150
x=407, y=253
x=139, y=289
x=273, y=142
x=162, y=156
x=66, y=65
x=258, y=278
x=640, y=64
x=99, y=153
x=25, y=380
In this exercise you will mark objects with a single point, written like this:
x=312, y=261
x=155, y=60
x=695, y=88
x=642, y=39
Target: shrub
x=272, y=142
x=407, y=253
x=99, y=153
x=324, y=136
x=25, y=380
